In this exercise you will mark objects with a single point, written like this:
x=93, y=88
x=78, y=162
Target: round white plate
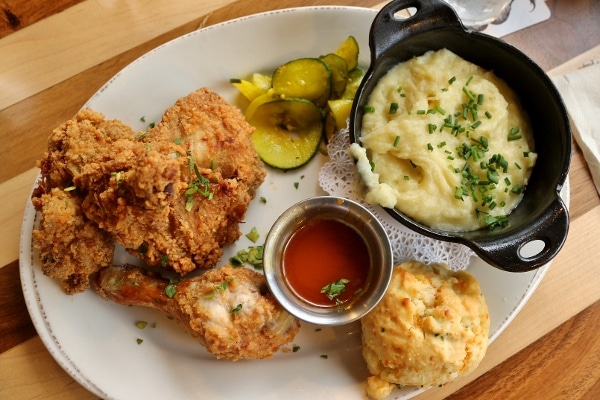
x=95, y=341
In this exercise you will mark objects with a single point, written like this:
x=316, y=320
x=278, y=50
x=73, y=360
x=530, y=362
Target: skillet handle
x=387, y=29
x=505, y=252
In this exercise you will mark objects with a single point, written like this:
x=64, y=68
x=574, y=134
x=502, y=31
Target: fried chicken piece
x=218, y=173
x=216, y=135
x=71, y=247
x=228, y=309
x=173, y=196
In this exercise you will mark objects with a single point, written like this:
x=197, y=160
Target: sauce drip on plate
x=326, y=252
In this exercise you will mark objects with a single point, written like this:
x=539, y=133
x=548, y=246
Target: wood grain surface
x=18, y=14
x=550, y=351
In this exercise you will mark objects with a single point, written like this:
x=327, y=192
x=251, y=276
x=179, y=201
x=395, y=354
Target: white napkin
x=580, y=91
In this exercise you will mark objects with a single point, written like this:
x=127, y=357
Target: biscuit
x=430, y=328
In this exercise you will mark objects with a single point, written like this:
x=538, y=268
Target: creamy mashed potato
x=449, y=143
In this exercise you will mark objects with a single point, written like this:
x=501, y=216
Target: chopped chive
x=396, y=141
x=517, y=189
x=440, y=110
x=480, y=98
x=469, y=80
x=469, y=94
x=368, y=109
x=429, y=147
x=393, y=108
x=421, y=112
x=451, y=80
x=488, y=114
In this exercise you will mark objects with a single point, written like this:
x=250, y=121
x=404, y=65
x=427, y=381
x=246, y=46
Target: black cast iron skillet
x=541, y=217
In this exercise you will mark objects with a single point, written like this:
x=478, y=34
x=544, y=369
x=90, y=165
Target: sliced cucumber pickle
x=288, y=132
x=304, y=78
x=259, y=101
x=349, y=51
x=339, y=72
x=354, y=79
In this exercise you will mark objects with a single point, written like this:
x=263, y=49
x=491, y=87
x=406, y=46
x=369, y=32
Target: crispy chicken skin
x=227, y=309
x=71, y=247
x=173, y=195
x=215, y=133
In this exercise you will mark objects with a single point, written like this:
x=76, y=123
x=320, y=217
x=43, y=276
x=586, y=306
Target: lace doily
x=338, y=178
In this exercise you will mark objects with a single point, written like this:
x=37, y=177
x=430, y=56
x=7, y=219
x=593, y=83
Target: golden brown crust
x=228, y=310
x=71, y=247
x=430, y=328
x=137, y=187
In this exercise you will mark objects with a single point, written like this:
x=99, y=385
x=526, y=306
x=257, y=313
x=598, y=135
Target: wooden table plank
x=18, y=14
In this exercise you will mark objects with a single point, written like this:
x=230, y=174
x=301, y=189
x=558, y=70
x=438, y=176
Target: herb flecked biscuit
x=430, y=328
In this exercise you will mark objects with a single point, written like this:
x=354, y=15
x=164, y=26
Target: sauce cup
x=316, y=284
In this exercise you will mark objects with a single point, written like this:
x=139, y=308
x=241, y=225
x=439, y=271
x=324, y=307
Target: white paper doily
x=338, y=178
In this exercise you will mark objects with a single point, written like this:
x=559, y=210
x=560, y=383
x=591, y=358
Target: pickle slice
x=304, y=78
x=354, y=79
x=339, y=72
x=288, y=132
x=349, y=51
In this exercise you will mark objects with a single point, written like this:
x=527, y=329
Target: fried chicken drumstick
x=227, y=309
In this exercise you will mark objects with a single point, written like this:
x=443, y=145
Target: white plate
x=95, y=340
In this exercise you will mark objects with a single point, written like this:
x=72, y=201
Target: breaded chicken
x=71, y=247
x=173, y=196
x=228, y=310
x=215, y=133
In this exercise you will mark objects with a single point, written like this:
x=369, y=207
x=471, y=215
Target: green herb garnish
x=334, y=289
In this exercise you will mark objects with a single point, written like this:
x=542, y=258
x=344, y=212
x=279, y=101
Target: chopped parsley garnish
x=334, y=289
x=236, y=309
x=170, y=289
x=141, y=324
x=253, y=235
x=253, y=256
x=200, y=185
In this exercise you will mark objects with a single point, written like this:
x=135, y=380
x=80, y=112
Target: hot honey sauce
x=326, y=263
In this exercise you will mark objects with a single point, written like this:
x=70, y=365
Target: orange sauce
x=323, y=252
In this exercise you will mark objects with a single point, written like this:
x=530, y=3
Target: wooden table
x=55, y=55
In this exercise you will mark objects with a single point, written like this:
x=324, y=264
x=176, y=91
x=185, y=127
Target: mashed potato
x=449, y=143
x=430, y=328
